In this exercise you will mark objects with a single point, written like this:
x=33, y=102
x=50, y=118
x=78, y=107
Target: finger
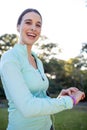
x=68, y=92
x=83, y=96
x=65, y=92
x=73, y=89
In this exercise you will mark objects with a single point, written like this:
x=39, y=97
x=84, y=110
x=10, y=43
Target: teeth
x=30, y=34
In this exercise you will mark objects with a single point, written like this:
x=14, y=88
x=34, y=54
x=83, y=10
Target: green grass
x=75, y=119
x=3, y=118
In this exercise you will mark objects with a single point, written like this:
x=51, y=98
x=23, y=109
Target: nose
x=33, y=27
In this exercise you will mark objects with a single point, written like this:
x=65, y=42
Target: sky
x=64, y=21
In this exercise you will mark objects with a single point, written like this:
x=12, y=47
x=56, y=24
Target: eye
x=28, y=22
x=38, y=25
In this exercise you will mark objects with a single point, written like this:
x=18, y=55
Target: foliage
x=46, y=49
x=7, y=41
x=84, y=47
x=83, y=55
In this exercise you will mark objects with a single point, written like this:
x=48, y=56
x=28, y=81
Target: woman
x=25, y=82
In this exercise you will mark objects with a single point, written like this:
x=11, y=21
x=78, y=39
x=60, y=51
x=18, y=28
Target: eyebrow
x=31, y=20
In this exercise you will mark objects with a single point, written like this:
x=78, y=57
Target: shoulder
x=8, y=56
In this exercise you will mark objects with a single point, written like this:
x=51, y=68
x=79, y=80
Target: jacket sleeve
x=24, y=101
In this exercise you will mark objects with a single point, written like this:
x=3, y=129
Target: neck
x=29, y=47
x=31, y=59
x=29, y=51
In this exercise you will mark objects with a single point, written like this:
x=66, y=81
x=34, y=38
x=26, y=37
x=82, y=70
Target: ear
x=18, y=28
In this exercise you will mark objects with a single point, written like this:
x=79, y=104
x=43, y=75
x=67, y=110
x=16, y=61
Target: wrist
x=74, y=99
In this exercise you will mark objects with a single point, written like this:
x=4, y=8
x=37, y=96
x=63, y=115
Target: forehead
x=32, y=16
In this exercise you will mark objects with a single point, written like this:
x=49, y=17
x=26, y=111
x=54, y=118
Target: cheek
x=22, y=30
x=39, y=31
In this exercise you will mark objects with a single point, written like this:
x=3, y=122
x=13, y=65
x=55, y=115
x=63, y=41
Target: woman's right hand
x=68, y=91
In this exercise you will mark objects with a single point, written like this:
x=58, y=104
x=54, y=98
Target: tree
x=46, y=49
x=84, y=47
x=72, y=68
x=7, y=41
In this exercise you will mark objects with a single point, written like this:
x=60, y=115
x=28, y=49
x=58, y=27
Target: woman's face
x=30, y=28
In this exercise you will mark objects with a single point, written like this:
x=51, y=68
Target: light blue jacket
x=25, y=87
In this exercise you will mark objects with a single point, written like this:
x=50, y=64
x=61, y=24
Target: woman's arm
x=24, y=101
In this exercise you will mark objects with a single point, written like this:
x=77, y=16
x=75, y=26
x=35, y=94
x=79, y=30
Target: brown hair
x=25, y=12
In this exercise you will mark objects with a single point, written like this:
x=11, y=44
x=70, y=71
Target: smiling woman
x=29, y=25
x=26, y=84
